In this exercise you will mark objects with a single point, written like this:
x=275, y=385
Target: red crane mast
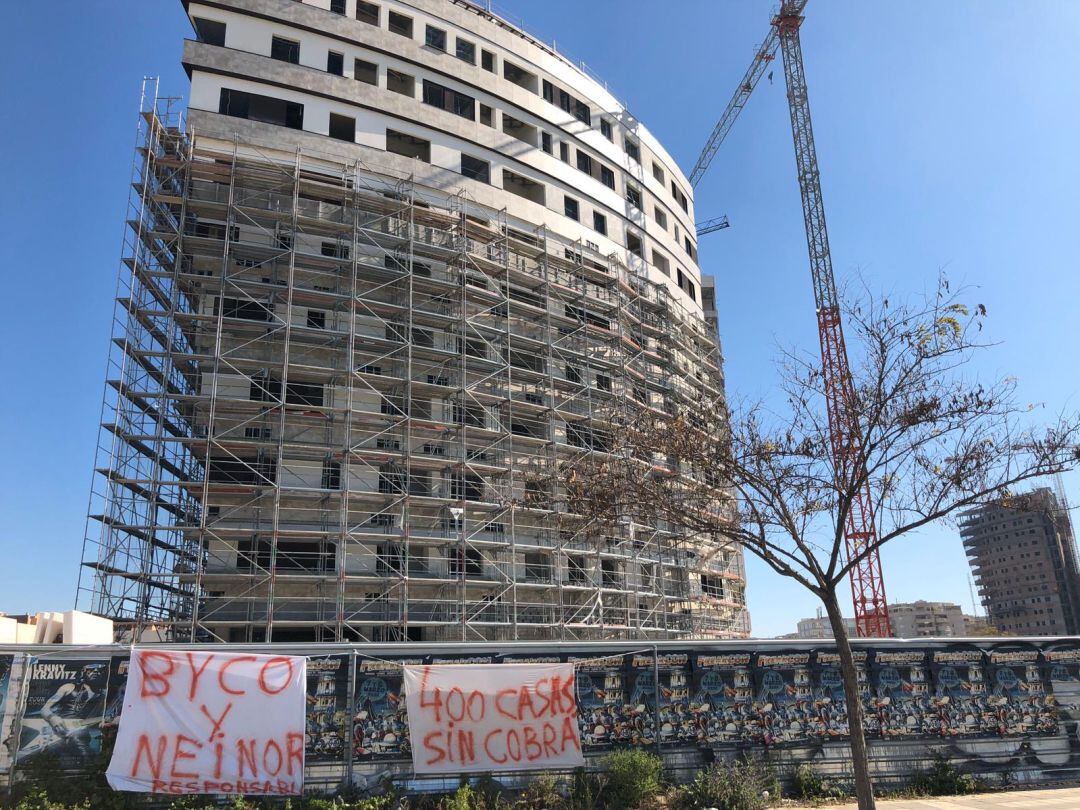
x=860, y=529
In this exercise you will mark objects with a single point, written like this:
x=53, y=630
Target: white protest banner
x=492, y=717
x=211, y=722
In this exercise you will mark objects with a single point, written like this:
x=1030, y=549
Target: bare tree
x=935, y=440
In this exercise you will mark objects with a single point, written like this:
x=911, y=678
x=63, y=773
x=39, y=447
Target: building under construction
x=391, y=271
x=1022, y=552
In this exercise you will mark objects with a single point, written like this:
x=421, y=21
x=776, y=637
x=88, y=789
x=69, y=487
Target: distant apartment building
x=1023, y=557
x=819, y=627
x=922, y=619
x=975, y=626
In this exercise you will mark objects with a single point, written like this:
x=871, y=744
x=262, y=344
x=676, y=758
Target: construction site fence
x=1004, y=710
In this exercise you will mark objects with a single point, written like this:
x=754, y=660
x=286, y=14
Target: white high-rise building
x=387, y=276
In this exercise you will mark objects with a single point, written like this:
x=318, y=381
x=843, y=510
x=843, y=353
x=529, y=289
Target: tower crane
x=846, y=440
x=714, y=224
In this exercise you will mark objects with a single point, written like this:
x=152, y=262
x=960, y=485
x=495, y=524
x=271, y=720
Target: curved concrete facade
x=402, y=262
x=663, y=219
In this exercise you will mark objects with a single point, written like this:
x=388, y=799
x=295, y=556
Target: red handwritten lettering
x=545, y=706
x=568, y=693
x=476, y=706
x=215, y=731
x=278, y=758
x=430, y=740
x=150, y=676
x=569, y=732
x=178, y=754
x=436, y=701
x=466, y=746
x=557, y=697
x=294, y=751
x=525, y=699
x=459, y=715
x=533, y=749
x=487, y=746
x=226, y=667
x=245, y=756
x=143, y=746
x=196, y=673
x=268, y=667
x=513, y=745
x=499, y=696
x=548, y=734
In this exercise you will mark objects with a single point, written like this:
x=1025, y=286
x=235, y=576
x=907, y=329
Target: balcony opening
x=519, y=76
x=398, y=82
x=367, y=12
x=366, y=72
x=526, y=133
x=475, y=168
x=342, y=128
x=524, y=187
x=408, y=146
x=211, y=32
x=400, y=25
x=285, y=50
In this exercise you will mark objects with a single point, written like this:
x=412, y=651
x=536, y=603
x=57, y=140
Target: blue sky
x=946, y=134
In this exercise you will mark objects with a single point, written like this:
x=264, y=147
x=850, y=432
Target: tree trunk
x=864, y=788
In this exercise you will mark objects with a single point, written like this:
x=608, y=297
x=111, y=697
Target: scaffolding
x=338, y=403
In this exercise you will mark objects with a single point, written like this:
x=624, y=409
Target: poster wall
x=1022, y=698
x=114, y=700
x=1061, y=672
x=65, y=705
x=666, y=700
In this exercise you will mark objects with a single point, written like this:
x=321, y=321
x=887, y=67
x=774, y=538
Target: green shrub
x=542, y=793
x=744, y=785
x=584, y=791
x=38, y=799
x=461, y=799
x=630, y=778
x=808, y=784
x=943, y=778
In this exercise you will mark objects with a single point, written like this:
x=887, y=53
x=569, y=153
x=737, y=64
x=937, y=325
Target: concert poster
x=327, y=723
x=604, y=716
x=65, y=705
x=380, y=718
x=722, y=695
x=1061, y=674
x=899, y=702
x=783, y=697
x=668, y=701
x=828, y=712
x=960, y=698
